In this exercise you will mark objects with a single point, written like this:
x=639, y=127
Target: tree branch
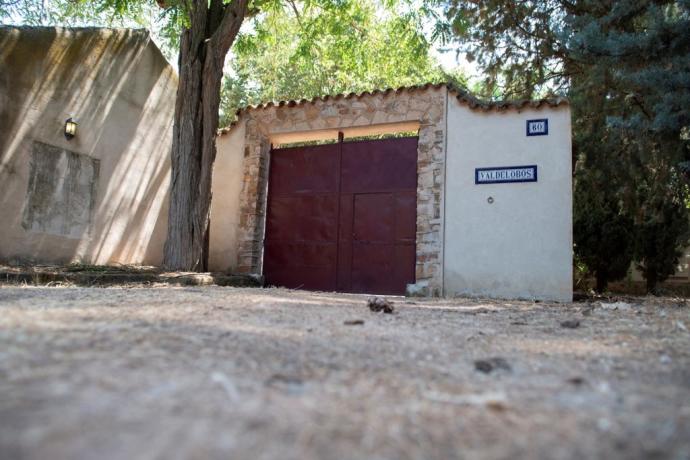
x=296, y=11
x=225, y=34
x=215, y=14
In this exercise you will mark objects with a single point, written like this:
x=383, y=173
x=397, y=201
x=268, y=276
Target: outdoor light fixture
x=70, y=128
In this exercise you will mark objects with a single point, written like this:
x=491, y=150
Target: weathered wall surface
x=228, y=174
x=425, y=107
x=102, y=196
x=521, y=245
x=61, y=193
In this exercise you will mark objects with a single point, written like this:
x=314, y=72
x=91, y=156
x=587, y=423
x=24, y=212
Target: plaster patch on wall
x=61, y=193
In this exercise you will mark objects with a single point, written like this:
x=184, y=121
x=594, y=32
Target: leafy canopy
x=304, y=50
x=286, y=49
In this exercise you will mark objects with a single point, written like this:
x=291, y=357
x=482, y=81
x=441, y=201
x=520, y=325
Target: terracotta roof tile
x=461, y=94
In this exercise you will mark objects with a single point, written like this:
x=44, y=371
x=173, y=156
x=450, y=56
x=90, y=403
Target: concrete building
x=491, y=207
x=101, y=196
x=420, y=189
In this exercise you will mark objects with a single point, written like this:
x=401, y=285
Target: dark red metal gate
x=343, y=216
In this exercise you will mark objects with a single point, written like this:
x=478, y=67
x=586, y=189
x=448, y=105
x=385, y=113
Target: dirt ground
x=208, y=372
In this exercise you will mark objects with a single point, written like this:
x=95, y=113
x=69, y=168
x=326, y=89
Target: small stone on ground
x=489, y=365
x=570, y=323
x=354, y=322
x=379, y=304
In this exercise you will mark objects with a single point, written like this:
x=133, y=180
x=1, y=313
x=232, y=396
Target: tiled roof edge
x=480, y=104
x=461, y=94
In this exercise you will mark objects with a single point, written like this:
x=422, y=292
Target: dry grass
x=268, y=374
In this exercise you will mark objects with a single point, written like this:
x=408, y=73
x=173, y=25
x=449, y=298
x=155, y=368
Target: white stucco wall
x=228, y=173
x=521, y=245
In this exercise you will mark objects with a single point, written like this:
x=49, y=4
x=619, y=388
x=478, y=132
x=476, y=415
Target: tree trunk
x=650, y=276
x=602, y=281
x=203, y=47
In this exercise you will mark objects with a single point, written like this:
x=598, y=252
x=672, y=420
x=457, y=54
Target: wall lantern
x=70, y=128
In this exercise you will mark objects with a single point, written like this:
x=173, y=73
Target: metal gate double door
x=342, y=217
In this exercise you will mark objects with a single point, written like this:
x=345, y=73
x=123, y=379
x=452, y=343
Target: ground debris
x=489, y=365
x=354, y=322
x=161, y=369
x=577, y=381
x=227, y=384
x=379, y=304
x=289, y=384
x=616, y=306
x=587, y=311
x=495, y=401
x=570, y=323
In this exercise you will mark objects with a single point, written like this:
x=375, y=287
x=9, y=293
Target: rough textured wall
x=120, y=89
x=426, y=106
x=61, y=193
x=520, y=245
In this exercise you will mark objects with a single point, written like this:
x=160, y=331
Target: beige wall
x=228, y=174
x=521, y=245
x=120, y=89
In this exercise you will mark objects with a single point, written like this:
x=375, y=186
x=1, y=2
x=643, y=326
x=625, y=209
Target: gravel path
x=167, y=373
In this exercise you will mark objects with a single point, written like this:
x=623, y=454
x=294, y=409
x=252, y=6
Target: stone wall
x=425, y=105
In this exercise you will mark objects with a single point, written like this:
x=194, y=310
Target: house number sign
x=538, y=127
x=505, y=174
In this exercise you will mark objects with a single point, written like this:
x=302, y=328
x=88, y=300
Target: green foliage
x=638, y=56
x=346, y=46
x=77, y=13
x=645, y=48
x=287, y=49
x=603, y=226
x=515, y=43
x=662, y=225
x=603, y=233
